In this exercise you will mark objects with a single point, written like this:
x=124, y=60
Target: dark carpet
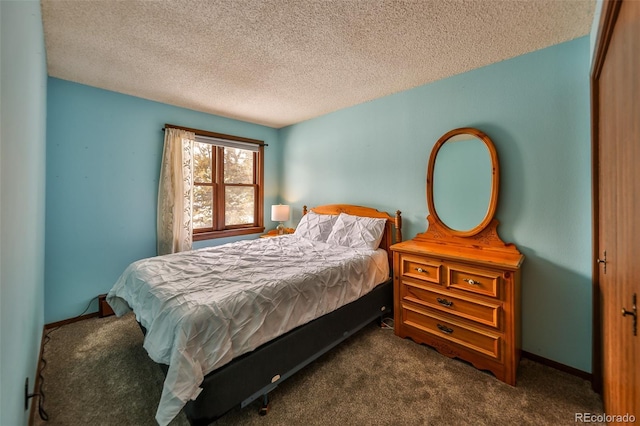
x=97, y=373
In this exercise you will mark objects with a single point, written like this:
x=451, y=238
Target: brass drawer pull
x=472, y=282
x=445, y=330
x=422, y=270
x=444, y=302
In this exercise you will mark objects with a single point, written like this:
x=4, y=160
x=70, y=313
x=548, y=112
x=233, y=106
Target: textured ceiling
x=280, y=62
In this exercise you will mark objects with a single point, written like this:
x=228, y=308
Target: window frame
x=220, y=230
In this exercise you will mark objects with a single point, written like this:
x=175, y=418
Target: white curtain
x=175, y=192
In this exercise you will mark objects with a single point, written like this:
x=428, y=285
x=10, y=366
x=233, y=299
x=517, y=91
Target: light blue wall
x=23, y=82
x=103, y=162
x=535, y=108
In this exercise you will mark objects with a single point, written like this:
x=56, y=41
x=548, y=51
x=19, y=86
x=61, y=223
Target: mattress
x=202, y=308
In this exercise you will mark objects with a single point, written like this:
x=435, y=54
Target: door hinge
x=603, y=261
x=634, y=313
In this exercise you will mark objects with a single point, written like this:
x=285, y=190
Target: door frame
x=608, y=17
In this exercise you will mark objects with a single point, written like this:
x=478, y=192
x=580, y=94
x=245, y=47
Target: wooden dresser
x=457, y=285
x=461, y=296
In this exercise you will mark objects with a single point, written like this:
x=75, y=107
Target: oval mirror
x=462, y=181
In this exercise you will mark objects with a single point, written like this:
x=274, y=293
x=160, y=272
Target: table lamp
x=280, y=213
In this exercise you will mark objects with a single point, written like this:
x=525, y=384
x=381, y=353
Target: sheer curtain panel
x=175, y=192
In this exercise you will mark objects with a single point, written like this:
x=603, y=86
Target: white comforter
x=204, y=307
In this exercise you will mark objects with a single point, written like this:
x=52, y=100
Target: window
x=227, y=186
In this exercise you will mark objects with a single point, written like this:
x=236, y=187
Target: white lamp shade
x=280, y=213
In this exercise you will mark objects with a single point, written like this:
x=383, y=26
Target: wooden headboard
x=392, y=231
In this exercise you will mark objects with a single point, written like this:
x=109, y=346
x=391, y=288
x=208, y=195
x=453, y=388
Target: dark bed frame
x=255, y=374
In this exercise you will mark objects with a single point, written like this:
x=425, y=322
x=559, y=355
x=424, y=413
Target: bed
x=228, y=324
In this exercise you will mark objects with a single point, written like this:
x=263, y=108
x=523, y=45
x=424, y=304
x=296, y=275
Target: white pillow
x=357, y=231
x=315, y=227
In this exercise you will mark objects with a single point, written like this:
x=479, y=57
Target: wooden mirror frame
x=495, y=181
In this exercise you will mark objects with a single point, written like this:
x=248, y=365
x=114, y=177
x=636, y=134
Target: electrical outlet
x=26, y=394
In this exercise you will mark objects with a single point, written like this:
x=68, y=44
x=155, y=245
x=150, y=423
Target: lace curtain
x=175, y=192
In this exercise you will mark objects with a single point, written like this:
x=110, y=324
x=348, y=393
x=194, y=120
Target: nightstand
x=274, y=233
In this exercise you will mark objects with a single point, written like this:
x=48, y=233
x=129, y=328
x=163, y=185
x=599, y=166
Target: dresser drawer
x=483, y=312
x=421, y=269
x=478, y=340
x=479, y=281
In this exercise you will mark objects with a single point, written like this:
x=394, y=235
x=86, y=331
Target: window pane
x=238, y=166
x=239, y=205
x=202, y=207
x=202, y=162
